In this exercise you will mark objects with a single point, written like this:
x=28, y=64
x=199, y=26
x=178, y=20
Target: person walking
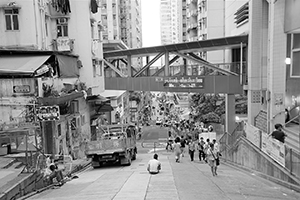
x=206, y=146
x=211, y=159
x=201, y=149
x=182, y=145
x=177, y=149
x=192, y=147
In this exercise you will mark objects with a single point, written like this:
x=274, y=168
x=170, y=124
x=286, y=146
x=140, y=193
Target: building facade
x=51, y=54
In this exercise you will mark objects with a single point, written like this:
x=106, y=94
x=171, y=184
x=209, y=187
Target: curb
x=264, y=176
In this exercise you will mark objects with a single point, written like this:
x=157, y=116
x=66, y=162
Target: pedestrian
x=154, y=166
x=218, y=153
x=192, y=147
x=170, y=142
x=55, y=173
x=177, y=149
x=201, y=149
x=211, y=159
x=182, y=145
x=278, y=134
x=206, y=146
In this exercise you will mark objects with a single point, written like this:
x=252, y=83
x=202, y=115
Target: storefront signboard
x=48, y=113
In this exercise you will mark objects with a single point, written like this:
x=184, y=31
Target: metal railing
x=189, y=70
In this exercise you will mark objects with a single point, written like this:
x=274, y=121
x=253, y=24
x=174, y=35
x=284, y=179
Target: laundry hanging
x=62, y=6
x=94, y=6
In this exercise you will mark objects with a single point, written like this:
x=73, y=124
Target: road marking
x=156, y=149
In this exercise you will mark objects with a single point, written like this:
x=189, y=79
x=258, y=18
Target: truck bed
x=105, y=146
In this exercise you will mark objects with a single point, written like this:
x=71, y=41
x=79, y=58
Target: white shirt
x=154, y=165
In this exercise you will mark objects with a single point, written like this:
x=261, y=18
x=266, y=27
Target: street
x=185, y=181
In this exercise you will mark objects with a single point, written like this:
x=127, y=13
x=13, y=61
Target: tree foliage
x=207, y=108
x=210, y=108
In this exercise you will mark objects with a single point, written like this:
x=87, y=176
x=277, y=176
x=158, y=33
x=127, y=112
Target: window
x=59, y=130
x=62, y=27
x=11, y=19
x=295, y=64
x=94, y=68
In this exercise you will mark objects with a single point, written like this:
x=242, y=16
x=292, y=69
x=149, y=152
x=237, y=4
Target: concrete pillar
x=229, y=113
x=129, y=72
x=257, y=56
x=276, y=64
x=167, y=66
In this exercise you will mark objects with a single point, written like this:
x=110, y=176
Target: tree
x=210, y=107
x=207, y=108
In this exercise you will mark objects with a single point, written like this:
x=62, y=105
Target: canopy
x=21, y=64
x=105, y=108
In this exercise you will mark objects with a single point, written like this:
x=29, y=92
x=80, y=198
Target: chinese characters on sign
x=47, y=113
x=21, y=88
x=184, y=82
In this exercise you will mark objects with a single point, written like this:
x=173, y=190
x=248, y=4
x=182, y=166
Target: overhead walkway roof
x=202, y=45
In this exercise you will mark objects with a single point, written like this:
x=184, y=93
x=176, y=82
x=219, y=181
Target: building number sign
x=21, y=88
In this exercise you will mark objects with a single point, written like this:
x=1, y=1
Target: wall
x=292, y=15
x=12, y=104
x=73, y=142
x=27, y=33
x=246, y=155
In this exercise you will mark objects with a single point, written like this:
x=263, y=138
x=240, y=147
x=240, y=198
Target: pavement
x=183, y=181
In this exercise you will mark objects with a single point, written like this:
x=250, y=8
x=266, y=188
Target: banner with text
x=273, y=148
x=252, y=134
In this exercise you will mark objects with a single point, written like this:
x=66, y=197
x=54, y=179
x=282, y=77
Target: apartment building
x=122, y=24
x=50, y=60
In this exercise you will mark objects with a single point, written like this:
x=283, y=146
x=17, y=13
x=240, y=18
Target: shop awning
x=97, y=99
x=105, y=108
x=21, y=65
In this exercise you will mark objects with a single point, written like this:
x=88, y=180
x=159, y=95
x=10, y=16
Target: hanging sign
x=48, y=113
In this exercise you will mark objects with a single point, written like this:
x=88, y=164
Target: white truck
x=114, y=144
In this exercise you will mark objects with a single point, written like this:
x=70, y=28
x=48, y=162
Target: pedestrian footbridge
x=199, y=77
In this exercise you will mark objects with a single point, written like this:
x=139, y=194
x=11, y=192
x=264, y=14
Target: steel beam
x=149, y=64
x=114, y=68
x=205, y=64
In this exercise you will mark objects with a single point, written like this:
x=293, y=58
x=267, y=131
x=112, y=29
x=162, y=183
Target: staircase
x=293, y=137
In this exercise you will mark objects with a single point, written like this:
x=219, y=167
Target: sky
x=150, y=22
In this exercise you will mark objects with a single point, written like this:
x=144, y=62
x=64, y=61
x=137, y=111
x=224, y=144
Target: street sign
x=184, y=82
x=48, y=113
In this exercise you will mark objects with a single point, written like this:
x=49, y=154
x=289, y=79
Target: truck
x=113, y=144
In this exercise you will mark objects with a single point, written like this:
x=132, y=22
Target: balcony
x=63, y=44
